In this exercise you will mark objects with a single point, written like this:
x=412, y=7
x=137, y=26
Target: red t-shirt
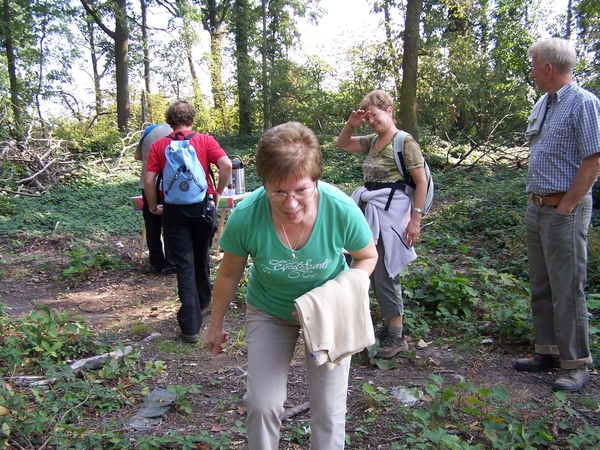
x=207, y=148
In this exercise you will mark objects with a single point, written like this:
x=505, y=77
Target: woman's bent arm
x=230, y=271
x=365, y=258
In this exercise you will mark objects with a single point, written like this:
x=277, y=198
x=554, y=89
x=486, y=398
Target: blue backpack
x=184, y=179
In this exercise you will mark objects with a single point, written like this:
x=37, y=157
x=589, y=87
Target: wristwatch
x=419, y=210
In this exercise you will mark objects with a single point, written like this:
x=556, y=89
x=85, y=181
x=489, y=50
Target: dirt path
x=117, y=301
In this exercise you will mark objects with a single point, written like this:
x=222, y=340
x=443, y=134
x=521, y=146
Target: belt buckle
x=539, y=199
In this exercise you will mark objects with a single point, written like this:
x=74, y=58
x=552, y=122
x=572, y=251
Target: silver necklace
x=288, y=240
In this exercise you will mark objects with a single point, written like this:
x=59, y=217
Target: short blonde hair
x=378, y=98
x=288, y=150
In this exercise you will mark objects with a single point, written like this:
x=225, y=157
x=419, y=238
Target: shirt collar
x=563, y=92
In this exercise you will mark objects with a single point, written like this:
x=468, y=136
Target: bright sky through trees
x=347, y=22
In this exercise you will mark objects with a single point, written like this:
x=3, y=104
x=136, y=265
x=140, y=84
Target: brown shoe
x=538, y=363
x=572, y=380
x=392, y=345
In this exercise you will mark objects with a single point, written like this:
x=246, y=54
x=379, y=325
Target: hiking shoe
x=189, y=338
x=392, y=345
x=538, y=363
x=572, y=380
x=382, y=333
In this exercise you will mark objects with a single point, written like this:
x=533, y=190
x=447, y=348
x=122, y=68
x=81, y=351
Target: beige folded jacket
x=335, y=318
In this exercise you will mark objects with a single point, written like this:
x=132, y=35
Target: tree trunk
x=394, y=60
x=243, y=66
x=121, y=65
x=214, y=17
x=188, y=41
x=146, y=52
x=569, y=19
x=11, y=62
x=95, y=73
x=265, y=73
x=408, y=93
x=121, y=39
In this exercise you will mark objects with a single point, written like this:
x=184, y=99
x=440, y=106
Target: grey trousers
x=388, y=291
x=271, y=343
x=557, y=251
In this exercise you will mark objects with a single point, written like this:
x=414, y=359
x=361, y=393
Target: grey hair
x=558, y=52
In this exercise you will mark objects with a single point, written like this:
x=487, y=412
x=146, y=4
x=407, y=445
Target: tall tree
x=410, y=59
x=213, y=18
x=120, y=36
x=279, y=33
x=189, y=16
x=9, y=47
x=96, y=75
x=243, y=21
x=587, y=19
x=265, y=66
x=394, y=60
x=146, y=102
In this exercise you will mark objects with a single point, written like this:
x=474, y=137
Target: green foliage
x=466, y=416
x=43, y=336
x=438, y=288
x=74, y=412
x=94, y=206
x=469, y=281
x=340, y=168
x=298, y=433
x=82, y=262
x=182, y=401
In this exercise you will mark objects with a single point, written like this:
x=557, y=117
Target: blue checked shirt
x=569, y=134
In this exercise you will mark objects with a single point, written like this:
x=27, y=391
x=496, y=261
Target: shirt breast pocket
x=561, y=140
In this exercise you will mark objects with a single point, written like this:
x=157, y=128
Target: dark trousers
x=189, y=232
x=154, y=227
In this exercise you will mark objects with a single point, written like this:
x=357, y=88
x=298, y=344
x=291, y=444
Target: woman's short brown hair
x=378, y=98
x=288, y=150
x=180, y=113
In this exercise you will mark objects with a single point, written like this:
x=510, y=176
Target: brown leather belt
x=549, y=200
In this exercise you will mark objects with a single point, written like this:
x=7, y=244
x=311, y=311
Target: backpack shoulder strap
x=399, y=154
x=180, y=136
x=373, y=139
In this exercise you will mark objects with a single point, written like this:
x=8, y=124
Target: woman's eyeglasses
x=300, y=194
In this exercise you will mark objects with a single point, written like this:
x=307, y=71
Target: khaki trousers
x=557, y=252
x=271, y=343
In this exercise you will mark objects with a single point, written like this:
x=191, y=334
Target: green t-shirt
x=382, y=167
x=276, y=280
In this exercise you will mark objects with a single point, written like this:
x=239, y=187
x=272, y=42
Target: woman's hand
x=230, y=272
x=413, y=231
x=214, y=338
x=345, y=140
x=357, y=118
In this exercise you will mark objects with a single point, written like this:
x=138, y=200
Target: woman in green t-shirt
x=295, y=228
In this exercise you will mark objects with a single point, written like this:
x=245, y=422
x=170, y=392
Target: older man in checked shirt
x=564, y=131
